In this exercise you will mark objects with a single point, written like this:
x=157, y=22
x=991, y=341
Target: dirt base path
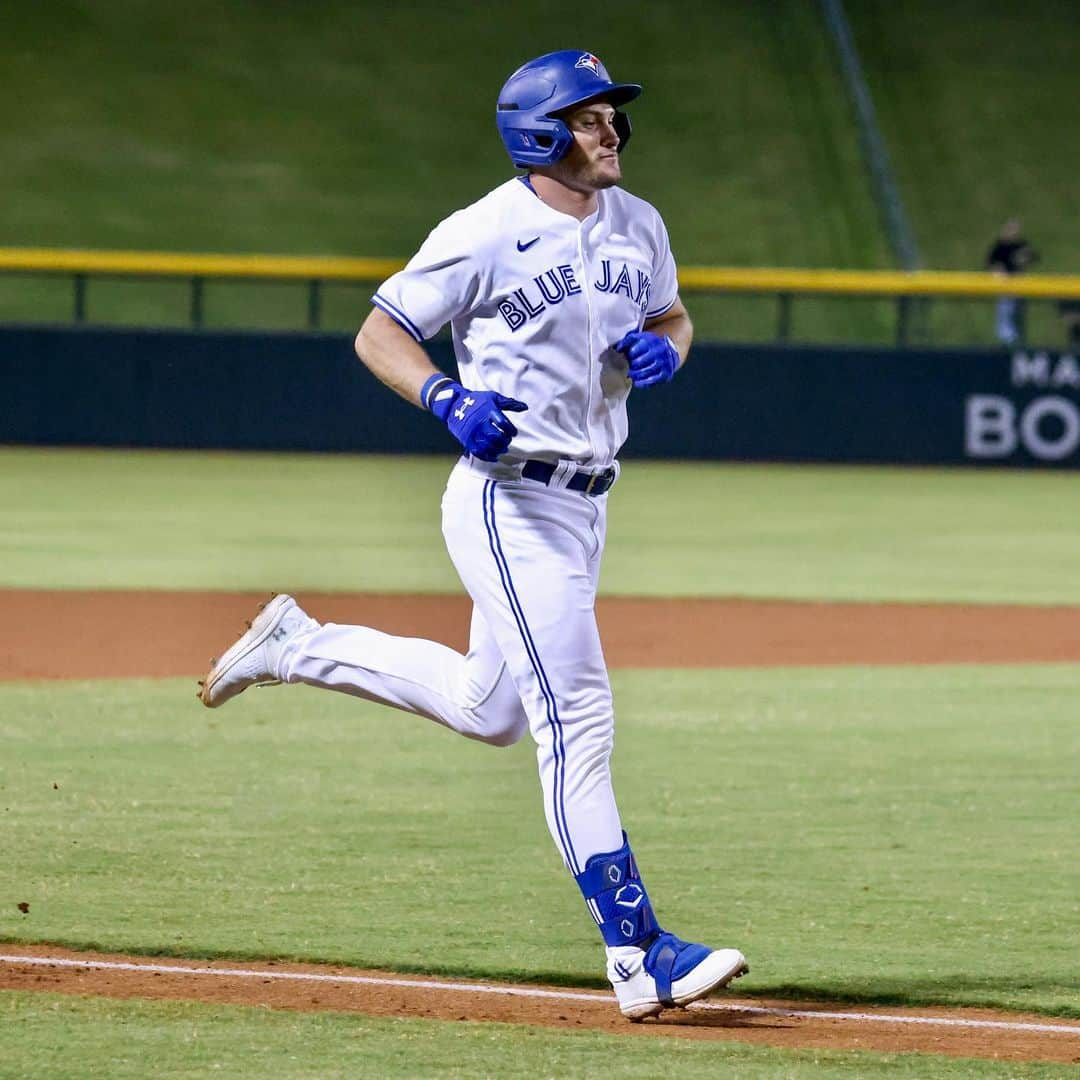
x=71, y=634
x=726, y=1017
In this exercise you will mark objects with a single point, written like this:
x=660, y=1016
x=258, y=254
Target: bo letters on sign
x=1047, y=427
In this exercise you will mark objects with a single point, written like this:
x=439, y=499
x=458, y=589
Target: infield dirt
x=160, y=634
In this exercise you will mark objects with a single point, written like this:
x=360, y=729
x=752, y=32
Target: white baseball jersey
x=536, y=301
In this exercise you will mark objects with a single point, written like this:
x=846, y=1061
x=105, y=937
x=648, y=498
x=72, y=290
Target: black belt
x=591, y=483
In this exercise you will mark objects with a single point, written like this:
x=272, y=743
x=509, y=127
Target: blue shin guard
x=617, y=899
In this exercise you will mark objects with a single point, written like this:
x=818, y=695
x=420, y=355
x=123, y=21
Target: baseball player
x=560, y=290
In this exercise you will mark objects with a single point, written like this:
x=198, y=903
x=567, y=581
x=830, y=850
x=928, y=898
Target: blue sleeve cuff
x=660, y=310
x=398, y=316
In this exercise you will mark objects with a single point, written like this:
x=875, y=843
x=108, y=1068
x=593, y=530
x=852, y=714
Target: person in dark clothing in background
x=1011, y=254
x=1069, y=310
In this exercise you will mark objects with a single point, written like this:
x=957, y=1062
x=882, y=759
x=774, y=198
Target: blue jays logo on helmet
x=530, y=101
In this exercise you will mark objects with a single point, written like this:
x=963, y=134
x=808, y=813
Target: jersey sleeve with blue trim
x=665, y=287
x=440, y=282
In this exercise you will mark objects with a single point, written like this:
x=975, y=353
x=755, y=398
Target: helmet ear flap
x=531, y=142
x=550, y=139
x=621, y=123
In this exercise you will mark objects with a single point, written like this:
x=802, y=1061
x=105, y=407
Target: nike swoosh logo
x=525, y=247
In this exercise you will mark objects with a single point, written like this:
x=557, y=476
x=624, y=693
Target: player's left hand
x=652, y=359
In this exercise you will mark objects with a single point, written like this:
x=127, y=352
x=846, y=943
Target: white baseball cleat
x=669, y=974
x=253, y=660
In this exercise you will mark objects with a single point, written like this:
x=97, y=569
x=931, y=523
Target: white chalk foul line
x=529, y=992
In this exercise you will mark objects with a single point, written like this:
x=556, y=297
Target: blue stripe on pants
x=558, y=748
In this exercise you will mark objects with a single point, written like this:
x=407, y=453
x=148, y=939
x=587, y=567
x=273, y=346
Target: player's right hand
x=651, y=358
x=476, y=418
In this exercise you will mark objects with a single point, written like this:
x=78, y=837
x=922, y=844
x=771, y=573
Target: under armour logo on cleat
x=279, y=633
x=528, y=244
x=460, y=413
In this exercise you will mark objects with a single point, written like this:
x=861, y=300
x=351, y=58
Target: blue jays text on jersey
x=555, y=285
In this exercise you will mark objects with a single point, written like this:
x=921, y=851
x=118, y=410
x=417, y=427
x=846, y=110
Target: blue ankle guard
x=617, y=899
x=669, y=959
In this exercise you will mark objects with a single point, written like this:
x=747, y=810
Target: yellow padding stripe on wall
x=698, y=278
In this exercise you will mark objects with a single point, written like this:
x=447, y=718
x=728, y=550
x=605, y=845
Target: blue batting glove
x=475, y=418
x=652, y=359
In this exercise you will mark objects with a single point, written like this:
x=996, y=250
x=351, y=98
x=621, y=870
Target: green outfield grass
x=46, y=1034
x=868, y=835
x=184, y=520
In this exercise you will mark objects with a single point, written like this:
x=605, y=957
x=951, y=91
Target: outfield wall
x=306, y=391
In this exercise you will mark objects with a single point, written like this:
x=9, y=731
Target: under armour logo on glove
x=652, y=359
x=476, y=418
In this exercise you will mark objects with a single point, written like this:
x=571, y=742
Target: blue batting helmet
x=530, y=99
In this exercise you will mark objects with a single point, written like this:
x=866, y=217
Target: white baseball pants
x=529, y=556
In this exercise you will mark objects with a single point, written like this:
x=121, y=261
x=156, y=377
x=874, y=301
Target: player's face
x=592, y=163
